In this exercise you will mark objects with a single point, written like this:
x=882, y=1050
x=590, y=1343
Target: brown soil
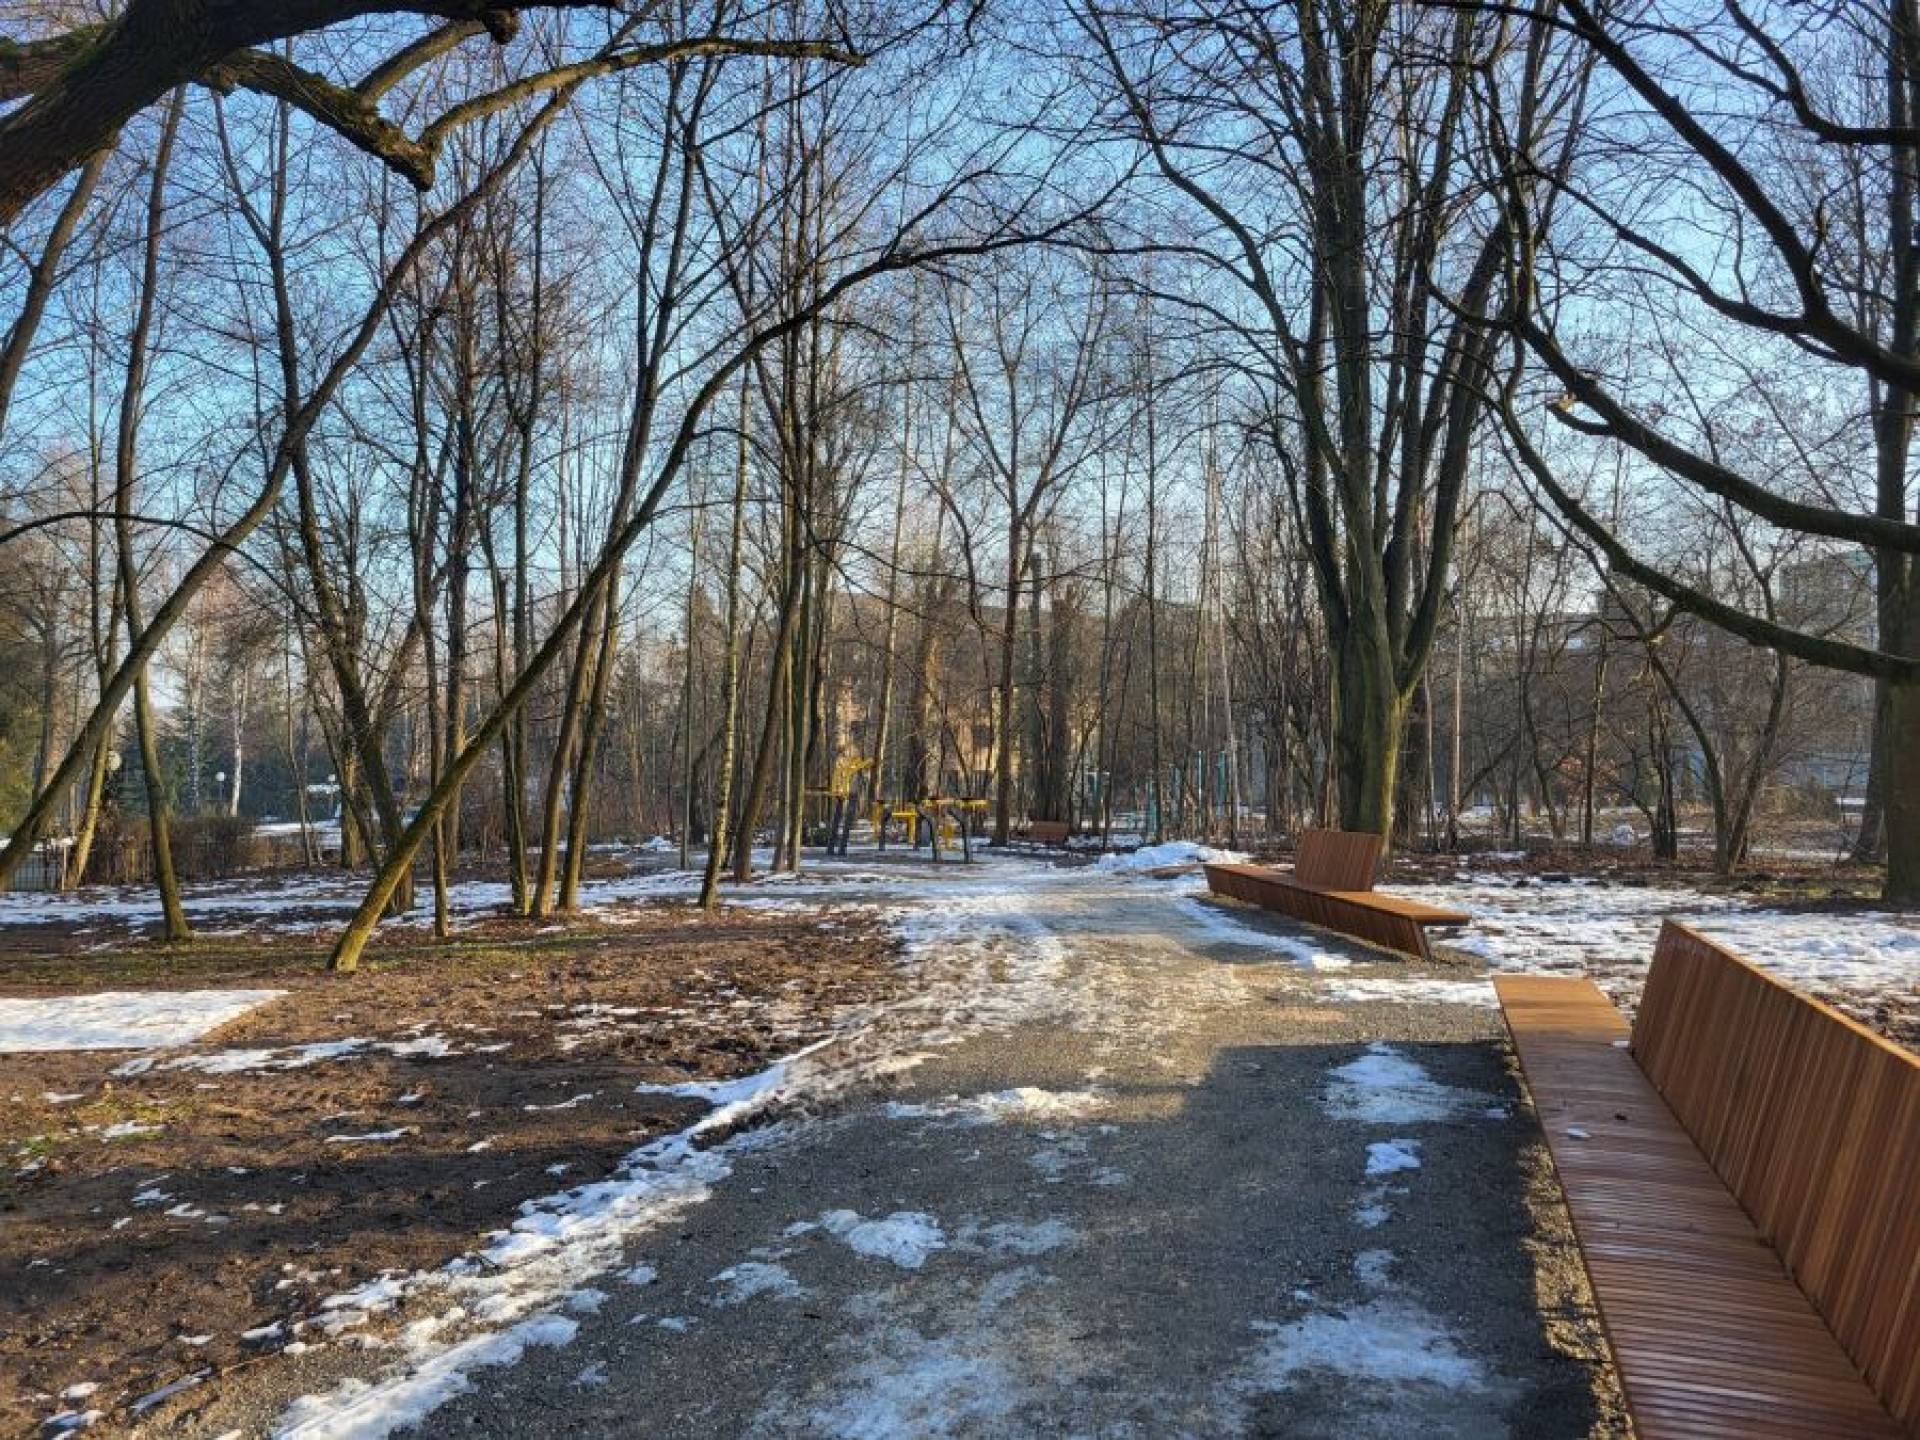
x=132, y=1261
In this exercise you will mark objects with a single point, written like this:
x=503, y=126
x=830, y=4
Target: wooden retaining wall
x=1813, y=1122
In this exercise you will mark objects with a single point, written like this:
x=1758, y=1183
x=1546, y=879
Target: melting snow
x=1025, y=1102
x=906, y=1237
x=1386, y=1157
x=1220, y=925
x=1372, y=1268
x=1173, y=852
x=1411, y=990
x=1384, y=1087
x=122, y=1129
x=357, y=1410
x=557, y=1244
x=1373, y=1211
x=1384, y=1341
x=1017, y=1237
x=924, y=1387
x=121, y=1019
x=755, y=1277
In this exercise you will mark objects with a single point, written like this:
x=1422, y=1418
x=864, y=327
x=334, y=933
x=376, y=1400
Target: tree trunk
x=89, y=826
x=1004, y=728
x=590, y=731
x=762, y=773
x=687, y=798
x=559, y=766
x=730, y=676
x=133, y=398
x=1902, y=718
x=1371, y=718
x=1902, y=797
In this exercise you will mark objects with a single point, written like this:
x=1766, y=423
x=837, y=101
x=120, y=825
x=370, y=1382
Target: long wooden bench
x=1743, y=1173
x=1048, y=832
x=1331, y=886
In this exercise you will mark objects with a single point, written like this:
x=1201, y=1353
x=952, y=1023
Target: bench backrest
x=1337, y=859
x=1813, y=1122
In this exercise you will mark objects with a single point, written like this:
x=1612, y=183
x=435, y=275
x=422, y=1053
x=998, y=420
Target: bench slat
x=1813, y=1122
x=1337, y=859
x=1711, y=1335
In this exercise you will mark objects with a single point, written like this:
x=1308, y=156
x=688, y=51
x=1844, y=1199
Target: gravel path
x=1125, y=1168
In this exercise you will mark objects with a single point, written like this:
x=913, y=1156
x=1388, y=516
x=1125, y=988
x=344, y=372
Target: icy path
x=1124, y=1165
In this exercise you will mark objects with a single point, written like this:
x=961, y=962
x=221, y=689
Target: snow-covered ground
x=1608, y=931
x=1172, y=852
x=304, y=903
x=121, y=1019
x=297, y=905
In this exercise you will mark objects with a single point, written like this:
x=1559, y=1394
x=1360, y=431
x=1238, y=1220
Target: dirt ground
x=150, y=1220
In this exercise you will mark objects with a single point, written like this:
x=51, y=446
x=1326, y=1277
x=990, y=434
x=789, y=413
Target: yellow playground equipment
x=841, y=786
x=939, y=805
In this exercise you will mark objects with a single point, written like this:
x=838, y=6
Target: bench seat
x=1710, y=1334
x=1391, y=921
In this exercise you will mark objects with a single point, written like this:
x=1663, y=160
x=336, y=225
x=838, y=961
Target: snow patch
x=289, y=1057
x=933, y=1388
x=1373, y=1268
x=1607, y=930
x=1173, y=852
x=1388, y=1157
x=1411, y=990
x=906, y=1237
x=121, y=1019
x=1384, y=1087
x=1023, y=1103
x=1384, y=1342
x=556, y=1245
x=1024, y=1238
x=357, y=1410
x=749, y=1278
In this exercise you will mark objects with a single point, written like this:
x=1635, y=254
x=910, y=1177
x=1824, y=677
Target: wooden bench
x=1331, y=886
x=1048, y=832
x=1744, y=1182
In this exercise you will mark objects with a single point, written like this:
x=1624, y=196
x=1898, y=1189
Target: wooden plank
x=1337, y=859
x=1813, y=1123
x=1710, y=1334
x=1418, y=911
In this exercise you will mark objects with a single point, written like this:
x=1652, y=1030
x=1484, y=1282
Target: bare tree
x=1348, y=242
x=1788, y=282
